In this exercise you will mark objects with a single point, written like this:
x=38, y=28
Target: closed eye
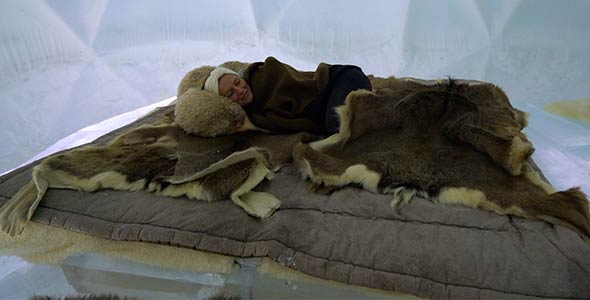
x=230, y=92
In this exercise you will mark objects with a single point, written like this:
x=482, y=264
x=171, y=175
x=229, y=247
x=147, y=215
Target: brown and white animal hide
x=163, y=159
x=457, y=143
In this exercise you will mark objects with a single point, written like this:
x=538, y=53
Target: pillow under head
x=206, y=114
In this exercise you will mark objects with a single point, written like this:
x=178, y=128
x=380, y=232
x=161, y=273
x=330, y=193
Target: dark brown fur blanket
x=454, y=142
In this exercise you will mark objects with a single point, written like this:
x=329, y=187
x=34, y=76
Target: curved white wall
x=67, y=64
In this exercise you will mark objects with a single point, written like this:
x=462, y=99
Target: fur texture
x=456, y=143
x=162, y=159
x=206, y=114
x=194, y=79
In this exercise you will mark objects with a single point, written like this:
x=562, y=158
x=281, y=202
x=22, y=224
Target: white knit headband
x=212, y=82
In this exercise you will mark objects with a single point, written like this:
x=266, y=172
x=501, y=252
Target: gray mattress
x=351, y=236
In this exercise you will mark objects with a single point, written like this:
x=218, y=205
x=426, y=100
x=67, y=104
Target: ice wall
x=68, y=64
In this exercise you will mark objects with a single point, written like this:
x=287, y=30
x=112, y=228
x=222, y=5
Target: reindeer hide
x=161, y=158
x=455, y=142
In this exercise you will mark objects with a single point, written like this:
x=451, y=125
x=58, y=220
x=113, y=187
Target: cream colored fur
x=474, y=199
x=15, y=214
x=463, y=196
x=327, y=143
x=193, y=190
x=518, y=155
x=455, y=196
x=256, y=204
x=206, y=114
x=20, y=208
x=62, y=180
x=403, y=196
x=345, y=115
x=354, y=174
x=524, y=118
x=194, y=79
x=534, y=177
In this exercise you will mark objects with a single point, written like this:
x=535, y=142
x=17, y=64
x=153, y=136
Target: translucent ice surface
x=71, y=70
x=92, y=273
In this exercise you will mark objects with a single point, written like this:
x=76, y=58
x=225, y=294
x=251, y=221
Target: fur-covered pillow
x=206, y=114
x=194, y=79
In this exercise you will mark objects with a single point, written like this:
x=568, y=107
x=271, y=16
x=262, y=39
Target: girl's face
x=236, y=89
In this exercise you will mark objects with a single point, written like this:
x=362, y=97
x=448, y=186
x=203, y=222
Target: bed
x=351, y=236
